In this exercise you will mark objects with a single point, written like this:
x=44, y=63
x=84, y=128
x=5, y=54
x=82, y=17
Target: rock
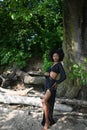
x=36, y=80
x=70, y=123
x=18, y=120
x=62, y=107
x=29, y=118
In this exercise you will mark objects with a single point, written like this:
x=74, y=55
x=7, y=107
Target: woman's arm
x=62, y=74
x=47, y=74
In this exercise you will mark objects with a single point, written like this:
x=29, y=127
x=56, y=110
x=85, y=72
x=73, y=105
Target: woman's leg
x=46, y=106
x=51, y=102
x=51, y=107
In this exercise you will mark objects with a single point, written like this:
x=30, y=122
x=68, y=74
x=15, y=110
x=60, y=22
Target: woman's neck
x=56, y=62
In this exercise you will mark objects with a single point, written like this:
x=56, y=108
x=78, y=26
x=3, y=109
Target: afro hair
x=59, y=52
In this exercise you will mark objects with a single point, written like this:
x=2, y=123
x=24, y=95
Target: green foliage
x=29, y=26
x=46, y=63
x=80, y=72
x=13, y=56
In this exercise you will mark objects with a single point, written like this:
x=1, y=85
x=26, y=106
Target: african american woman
x=51, y=82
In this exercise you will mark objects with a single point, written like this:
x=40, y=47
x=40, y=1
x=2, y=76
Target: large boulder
x=34, y=78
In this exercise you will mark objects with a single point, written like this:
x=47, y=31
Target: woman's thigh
x=47, y=95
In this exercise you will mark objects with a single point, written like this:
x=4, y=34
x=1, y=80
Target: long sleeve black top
x=58, y=68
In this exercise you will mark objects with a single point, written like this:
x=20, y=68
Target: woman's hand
x=47, y=74
x=55, y=85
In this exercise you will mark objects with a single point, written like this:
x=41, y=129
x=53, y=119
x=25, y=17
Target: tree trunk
x=32, y=101
x=75, y=41
x=72, y=102
x=18, y=92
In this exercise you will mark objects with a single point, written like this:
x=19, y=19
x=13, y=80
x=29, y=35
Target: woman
x=51, y=85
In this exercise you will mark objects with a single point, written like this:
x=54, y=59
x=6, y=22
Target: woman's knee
x=44, y=101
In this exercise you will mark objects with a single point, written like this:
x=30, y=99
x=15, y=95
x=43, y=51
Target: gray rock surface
x=36, y=80
x=21, y=117
x=29, y=118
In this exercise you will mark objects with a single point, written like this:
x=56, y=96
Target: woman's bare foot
x=46, y=126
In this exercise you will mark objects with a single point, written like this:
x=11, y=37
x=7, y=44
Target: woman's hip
x=49, y=83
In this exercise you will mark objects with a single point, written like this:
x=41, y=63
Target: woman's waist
x=49, y=81
x=53, y=75
x=50, y=78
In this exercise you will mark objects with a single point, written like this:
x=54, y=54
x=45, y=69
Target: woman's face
x=55, y=57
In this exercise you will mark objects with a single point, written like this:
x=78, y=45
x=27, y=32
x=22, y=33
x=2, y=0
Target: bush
x=79, y=71
x=46, y=62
